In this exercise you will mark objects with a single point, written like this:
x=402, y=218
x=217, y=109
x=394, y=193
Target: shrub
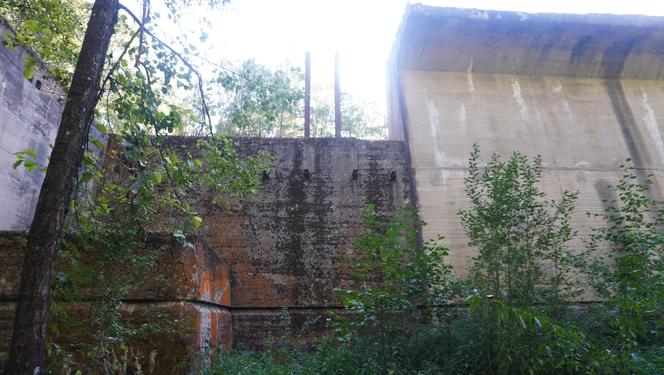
x=627, y=271
x=397, y=281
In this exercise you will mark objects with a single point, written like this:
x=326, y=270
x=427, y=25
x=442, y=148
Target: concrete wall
x=29, y=117
x=559, y=86
x=283, y=248
x=279, y=250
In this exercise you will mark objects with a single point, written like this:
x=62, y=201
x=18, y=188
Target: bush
x=397, y=281
x=626, y=269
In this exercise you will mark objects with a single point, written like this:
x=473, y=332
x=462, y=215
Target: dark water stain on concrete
x=545, y=42
x=613, y=63
x=628, y=126
x=581, y=54
x=615, y=56
x=605, y=193
x=294, y=221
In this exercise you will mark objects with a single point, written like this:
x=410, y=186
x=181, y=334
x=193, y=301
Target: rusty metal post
x=307, y=95
x=337, y=98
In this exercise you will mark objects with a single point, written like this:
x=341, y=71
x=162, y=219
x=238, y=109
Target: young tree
x=396, y=281
x=523, y=240
x=524, y=262
x=627, y=270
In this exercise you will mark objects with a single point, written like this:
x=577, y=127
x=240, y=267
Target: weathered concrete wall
x=251, y=262
x=29, y=117
x=283, y=248
x=584, y=92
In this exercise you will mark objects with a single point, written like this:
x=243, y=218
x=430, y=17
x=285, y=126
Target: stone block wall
x=187, y=296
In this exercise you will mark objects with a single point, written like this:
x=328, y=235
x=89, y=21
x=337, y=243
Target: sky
x=276, y=32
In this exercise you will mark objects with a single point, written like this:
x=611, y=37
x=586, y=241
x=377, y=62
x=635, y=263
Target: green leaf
x=30, y=165
x=98, y=144
x=157, y=177
x=523, y=324
x=197, y=220
x=29, y=66
x=85, y=177
x=17, y=163
x=30, y=152
x=102, y=129
x=31, y=25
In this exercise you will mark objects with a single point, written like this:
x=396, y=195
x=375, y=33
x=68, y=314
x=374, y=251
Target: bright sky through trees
x=362, y=31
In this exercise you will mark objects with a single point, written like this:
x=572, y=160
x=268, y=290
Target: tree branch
x=116, y=65
x=206, y=110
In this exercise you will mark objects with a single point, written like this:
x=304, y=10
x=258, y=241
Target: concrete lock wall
x=266, y=269
x=283, y=247
x=29, y=116
x=584, y=92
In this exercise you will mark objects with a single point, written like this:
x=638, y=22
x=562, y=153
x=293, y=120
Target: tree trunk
x=26, y=354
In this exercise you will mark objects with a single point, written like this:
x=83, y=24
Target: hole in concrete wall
x=265, y=177
x=38, y=84
x=356, y=174
x=393, y=176
x=306, y=174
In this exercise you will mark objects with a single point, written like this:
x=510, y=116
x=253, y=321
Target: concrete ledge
x=498, y=42
x=181, y=273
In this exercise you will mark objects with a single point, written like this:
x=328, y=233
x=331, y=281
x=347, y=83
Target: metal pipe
x=337, y=98
x=307, y=95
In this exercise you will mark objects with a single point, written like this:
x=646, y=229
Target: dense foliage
x=257, y=101
x=51, y=29
x=260, y=102
x=398, y=281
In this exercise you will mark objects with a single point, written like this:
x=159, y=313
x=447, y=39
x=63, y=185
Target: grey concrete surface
x=29, y=117
x=584, y=92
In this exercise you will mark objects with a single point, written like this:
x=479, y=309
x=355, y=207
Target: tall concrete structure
x=29, y=116
x=583, y=91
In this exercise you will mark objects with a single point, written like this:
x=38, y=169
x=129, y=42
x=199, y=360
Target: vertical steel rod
x=307, y=95
x=337, y=98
